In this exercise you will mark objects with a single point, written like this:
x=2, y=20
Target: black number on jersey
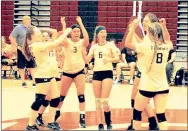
x=51, y=54
x=159, y=58
x=100, y=54
x=75, y=50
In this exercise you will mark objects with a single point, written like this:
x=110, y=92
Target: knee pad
x=39, y=100
x=132, y=103
x=137, y=115
x=98, y=103
x=62, y=98
x=81, y=98
x=46, y=103
x=86, y=65
x=161, y=117
x=55, y=102
x=105, y=102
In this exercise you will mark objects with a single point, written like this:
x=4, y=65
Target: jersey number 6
x=100, y=54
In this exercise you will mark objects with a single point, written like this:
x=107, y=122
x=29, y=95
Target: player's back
x=155, y=78
x=158, y=67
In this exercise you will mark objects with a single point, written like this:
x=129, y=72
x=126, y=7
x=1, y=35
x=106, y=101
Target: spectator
x=8, y=57
x=17, y=38
x=170, y=66
x=129, y=60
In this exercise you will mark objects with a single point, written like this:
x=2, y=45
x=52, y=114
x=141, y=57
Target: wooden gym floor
x=16, y=102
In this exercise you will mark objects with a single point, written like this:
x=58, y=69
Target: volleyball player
x=104, y=53
x=52, y=54
x=152, y=57
x=44, y=76
x=73, y=68
x=148, y=19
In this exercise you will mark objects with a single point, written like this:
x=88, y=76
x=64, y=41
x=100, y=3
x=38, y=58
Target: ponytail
x=26, y=49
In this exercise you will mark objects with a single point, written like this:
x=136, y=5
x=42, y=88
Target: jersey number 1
x=159, y=58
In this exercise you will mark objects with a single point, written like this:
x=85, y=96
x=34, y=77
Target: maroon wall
x=116, y=14
x=7, y=16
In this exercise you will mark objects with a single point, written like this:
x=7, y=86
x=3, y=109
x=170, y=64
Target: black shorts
x=4, y=57
x=128, y=62
x=150, y=94
x=42, y=80
x=58, y=79
x=22, y=62
x=138, y=74
x=73, y=75
x=101, y=75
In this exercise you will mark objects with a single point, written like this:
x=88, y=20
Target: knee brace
x=105, y=102
x=55, y=102
x=98, y=103
x=62, y=98
x=161, y=117
x=132, y=103
x=39, y=100
x=81, y=98
x=137, y=115
x=45, y=103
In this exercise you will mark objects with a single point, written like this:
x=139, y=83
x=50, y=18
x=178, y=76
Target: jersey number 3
x=75, y=50
x=159, y=58
x=100, y=54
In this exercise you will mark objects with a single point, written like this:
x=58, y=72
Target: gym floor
x=16, y=102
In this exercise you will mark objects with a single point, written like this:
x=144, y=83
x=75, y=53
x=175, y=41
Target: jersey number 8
x=159, y=58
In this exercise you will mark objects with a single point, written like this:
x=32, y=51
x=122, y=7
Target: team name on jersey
x=159, y=48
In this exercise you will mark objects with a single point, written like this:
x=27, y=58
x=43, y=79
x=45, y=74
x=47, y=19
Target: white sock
x=82, y=112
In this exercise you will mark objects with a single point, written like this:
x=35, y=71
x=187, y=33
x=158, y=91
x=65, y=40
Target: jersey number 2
x=100, y=54
x=159, y=58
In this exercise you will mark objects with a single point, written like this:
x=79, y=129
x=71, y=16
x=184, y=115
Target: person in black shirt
x=129, y=60
x=170, y=66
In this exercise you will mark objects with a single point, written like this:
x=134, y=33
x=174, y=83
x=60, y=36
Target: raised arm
x=84, y=32
x=63, y=23
x=129, y=40
x=58, y=41
x=166, y=34
x=51, y=31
